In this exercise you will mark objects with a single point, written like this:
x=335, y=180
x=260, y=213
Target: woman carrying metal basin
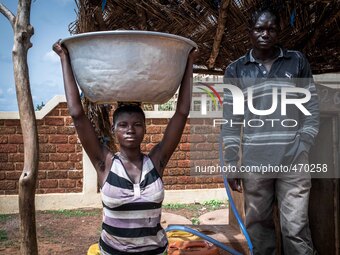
x=131, y=186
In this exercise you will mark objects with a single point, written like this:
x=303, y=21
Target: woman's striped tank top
x=132, y=212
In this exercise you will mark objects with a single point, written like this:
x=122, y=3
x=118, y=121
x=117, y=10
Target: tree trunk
x=27, y=182
x=28, y=178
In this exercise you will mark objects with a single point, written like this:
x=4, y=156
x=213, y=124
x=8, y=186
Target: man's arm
x=231, y=132
x=309, y=123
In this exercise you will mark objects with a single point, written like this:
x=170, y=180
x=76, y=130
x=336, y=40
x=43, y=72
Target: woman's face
x=129, y=129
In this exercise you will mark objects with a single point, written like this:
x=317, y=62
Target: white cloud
x=45, y=90
x=11, y=91
x=48, y=85
x=52, y=57
x=64, y=2
x=8, y=104
x=6, y=58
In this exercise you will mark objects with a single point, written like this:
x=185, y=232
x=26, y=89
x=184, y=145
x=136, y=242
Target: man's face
x=264, y=34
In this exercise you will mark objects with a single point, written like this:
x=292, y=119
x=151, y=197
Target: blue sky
x=50, y=20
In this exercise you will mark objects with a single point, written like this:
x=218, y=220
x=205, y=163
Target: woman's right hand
x=59, y=49
x=193, y=55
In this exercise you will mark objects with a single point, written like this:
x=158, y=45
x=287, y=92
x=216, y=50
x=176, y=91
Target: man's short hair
x=258, y=13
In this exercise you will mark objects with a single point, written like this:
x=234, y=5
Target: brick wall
x=60, y=159
x=60, y=164
x=199, y=144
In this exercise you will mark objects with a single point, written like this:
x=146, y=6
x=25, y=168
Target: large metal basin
x=128, y=65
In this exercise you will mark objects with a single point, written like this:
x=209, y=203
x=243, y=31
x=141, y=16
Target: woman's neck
x=130, y=155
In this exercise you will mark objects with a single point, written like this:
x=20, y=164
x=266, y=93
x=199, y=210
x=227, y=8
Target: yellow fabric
x=93, y=250
x=174, y=236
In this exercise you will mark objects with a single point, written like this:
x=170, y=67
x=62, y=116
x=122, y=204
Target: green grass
x=73, y=213
x=3, y=235
x=4, y=217
x=174, y=206
x=178, y=206
x=197, y=208
x=195, y=221
x=209, y=205
x=213, y=204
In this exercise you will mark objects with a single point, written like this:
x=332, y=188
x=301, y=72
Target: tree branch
x=222, y=17
x=8, y=14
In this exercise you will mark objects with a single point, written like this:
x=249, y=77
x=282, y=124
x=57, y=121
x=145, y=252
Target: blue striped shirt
x=265, y=140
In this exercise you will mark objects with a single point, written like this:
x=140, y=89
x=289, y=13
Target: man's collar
x=250, y=58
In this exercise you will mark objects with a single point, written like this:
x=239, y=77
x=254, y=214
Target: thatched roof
x=219, y=27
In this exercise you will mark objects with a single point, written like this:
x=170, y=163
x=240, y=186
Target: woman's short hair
x=127, y=108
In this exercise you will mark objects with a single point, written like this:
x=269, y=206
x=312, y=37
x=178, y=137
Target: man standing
x=276, y=135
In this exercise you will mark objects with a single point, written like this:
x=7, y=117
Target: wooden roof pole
x=98, y=16
x=222, y=17
x=142, y=16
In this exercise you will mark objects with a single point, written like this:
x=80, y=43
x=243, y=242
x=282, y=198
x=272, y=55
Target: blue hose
x=233, y=208
x=231, y=201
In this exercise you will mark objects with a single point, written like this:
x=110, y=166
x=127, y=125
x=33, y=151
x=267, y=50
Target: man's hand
x=235, y=184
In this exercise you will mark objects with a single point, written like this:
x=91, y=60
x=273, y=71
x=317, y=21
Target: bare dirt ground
x=72, y=232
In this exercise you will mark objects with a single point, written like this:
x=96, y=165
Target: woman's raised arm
x=87, y=136
x=162, y=152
